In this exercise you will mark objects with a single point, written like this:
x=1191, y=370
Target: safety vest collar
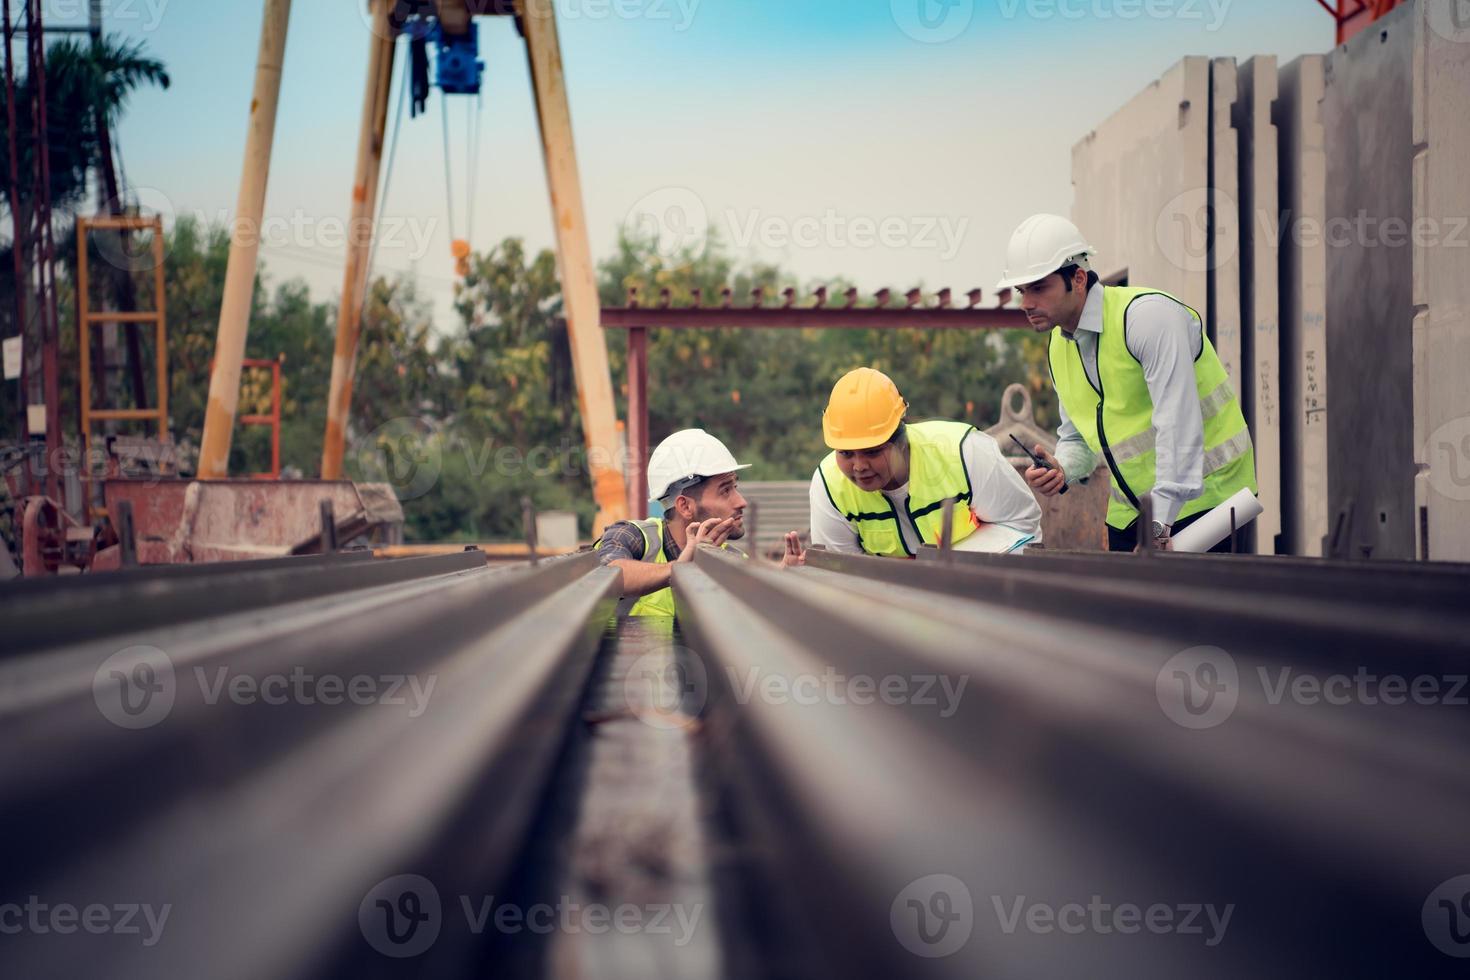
x=1114, y=415
x=937, y=474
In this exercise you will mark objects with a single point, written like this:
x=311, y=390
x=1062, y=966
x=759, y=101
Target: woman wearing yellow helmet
x=882, y=489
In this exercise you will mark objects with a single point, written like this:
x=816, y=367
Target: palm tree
x=87, y=86
x=88, y=83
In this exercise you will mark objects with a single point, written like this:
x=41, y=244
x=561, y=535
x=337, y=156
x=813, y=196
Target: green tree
x=764, y=390
x=87, y=87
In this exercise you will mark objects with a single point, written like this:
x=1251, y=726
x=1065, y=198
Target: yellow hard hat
x=864, y=410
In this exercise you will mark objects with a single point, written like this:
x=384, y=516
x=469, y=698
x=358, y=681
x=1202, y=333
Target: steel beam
x=1056, y=777
x=266, y=825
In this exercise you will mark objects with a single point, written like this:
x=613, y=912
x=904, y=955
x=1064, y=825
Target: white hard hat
x=685, y=455
x=1043, y=244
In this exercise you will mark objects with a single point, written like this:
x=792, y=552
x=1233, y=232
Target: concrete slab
x=1366, y=112
x=1142, y=187
x=1224, y=258
x=1260, y=218
x=1441, y=280
x=1303, y=320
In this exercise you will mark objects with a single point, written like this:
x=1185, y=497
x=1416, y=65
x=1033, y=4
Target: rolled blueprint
x=1214, y=527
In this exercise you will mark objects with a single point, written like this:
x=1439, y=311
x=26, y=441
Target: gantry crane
x=1353, y=16
x=450, y=24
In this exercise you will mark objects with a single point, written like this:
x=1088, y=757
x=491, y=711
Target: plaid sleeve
x=620, y=542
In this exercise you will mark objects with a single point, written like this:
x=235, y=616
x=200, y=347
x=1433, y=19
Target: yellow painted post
x=234, y=314
x=364, y=204
x=578, y=282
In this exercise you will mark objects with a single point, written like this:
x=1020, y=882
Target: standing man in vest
x=1138, y=383
x=881, y=490
x=692, y=475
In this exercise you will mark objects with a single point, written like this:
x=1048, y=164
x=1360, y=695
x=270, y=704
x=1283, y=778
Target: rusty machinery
x=53, y=537
x=450, y=26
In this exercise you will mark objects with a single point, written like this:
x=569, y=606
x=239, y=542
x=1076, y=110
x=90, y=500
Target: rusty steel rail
x=793, y=313
x=1300, y=625
x=49, y=612
x=1058, y=777
x=1422, y=584
x=265, y=823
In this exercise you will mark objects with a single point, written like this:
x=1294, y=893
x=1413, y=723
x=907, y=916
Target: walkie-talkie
x=1041, y=463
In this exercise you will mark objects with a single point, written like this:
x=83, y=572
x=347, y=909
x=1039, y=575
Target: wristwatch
x=1161, y=531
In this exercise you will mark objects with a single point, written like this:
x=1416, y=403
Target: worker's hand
x=1048, y=483
x=795, y=553
x=711, y=532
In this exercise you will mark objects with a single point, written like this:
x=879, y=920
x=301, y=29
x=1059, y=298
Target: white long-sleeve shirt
x=1166, y=340
x=999, y=496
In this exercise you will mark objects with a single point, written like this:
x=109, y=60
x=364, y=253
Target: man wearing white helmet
x=693, y=476
x=1138, y=384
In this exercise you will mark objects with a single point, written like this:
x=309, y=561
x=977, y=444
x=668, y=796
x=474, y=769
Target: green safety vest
x=1116, y=418
x=936, y=473
x=660, y=603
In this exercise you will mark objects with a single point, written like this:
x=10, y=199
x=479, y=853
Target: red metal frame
x=273, y=418
x=639, y=320
x=1352, y=16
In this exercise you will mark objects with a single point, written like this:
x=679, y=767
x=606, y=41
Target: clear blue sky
x=785, y=123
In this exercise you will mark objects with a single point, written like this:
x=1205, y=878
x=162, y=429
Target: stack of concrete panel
x=1223, y=266
x=1318, y=217
x=1260, y=219
x=1303, y=322
x=1158, y=192
x=1441, y=285
x=1142, y=187
x=1370, y=269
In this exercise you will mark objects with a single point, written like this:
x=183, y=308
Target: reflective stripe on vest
x=1115, y=418
x=936, y=473
x=660, y=603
